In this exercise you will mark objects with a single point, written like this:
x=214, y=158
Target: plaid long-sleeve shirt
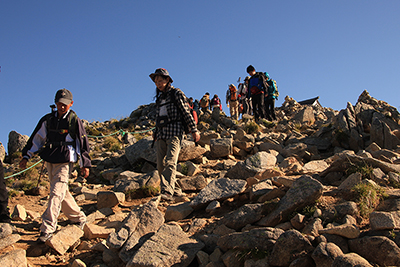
x=175, y=109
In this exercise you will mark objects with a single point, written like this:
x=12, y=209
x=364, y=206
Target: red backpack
x=194, y=114
x=233, y=94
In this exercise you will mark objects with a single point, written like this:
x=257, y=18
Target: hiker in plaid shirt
x=173, y=118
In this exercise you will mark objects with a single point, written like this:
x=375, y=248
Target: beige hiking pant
x=60, y=198
x=167, y=158
x=234, y=109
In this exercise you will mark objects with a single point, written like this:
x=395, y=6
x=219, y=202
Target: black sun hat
x=161, y=72
x=64, y=96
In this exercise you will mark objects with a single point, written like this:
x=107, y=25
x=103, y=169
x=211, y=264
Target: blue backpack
x=272, y=89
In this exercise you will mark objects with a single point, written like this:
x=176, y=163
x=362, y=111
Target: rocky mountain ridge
x=316, y=188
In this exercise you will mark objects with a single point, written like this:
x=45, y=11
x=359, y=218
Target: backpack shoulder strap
x=173, y=91
x=48, y=118
x=72, y=123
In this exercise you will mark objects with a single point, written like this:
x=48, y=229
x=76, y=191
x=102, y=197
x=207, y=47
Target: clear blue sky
x=103, y=51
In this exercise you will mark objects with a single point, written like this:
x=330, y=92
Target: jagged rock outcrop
x=16, y=142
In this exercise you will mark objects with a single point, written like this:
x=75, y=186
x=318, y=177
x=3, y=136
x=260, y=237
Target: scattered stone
x=65, y=238
x=93, y=231
x=289, y=246
x=325, y=254
x=176, y=212
x=19, y=213
x=109, y=199
x=345, y=230
x=375, y=249
x=9, y=240
x=14, y=258
x=218, y=189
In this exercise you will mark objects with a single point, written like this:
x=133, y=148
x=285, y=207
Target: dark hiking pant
x=258, y=106
x=270, y=109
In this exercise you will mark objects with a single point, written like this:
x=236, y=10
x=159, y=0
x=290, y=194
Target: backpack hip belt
x=59, y=143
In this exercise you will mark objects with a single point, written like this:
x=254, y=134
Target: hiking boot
x=44, y=237
x=81, y=225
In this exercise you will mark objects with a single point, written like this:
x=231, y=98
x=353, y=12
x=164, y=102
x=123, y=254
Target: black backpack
x=71, y=124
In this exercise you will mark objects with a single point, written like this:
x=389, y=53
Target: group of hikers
x=255, y=96
x=60, y=139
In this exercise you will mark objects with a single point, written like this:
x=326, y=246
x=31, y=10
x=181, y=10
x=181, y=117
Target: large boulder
x=16, y=142
x=256, y=163
x=142, y=149
x=304, y=191
x=169, y=246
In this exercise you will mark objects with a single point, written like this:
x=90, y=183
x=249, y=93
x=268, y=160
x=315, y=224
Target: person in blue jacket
x=256, y=91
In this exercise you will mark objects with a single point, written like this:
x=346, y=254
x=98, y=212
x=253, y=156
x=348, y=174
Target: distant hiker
x=232, y=101
x=192, y=111
x=216, y=103
x=270, y=96
x=205, y=102
x=244, y=100
x=172, y=115
x=256, y=91
x=4, y=213
x=61, y=141
x=196, y=107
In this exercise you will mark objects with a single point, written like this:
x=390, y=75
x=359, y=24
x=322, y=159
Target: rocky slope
x=316, y=188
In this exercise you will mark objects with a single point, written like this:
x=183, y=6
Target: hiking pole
x=40, y=175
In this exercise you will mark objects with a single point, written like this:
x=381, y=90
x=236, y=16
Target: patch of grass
x=267, y=124
x=362, y=167
x=251, y=127
x=297, y=126
x=16, y=156
x=92, y=131
x=309, y=211
x=32, y=173
x=392, y=234
x=9, y=182
x=368, y=197
x=112, y=144
x=27, y=185
x=184, y=169
x=13, y=193
x=138, y=136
